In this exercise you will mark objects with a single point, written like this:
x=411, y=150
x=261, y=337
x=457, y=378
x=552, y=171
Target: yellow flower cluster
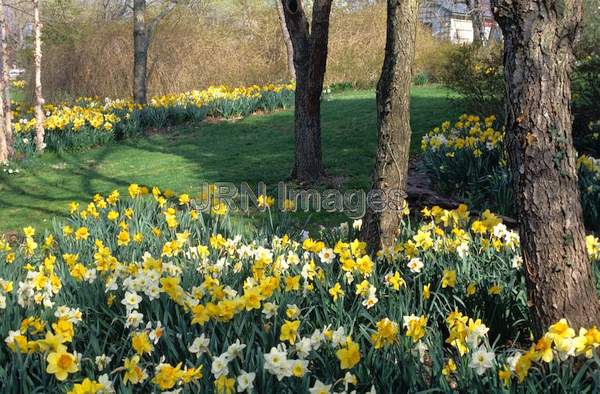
x=465, y=333
x=593, y=246
x=470, y=133
x=199, y=98
x=102, y=116
x=589, y=163
x=19, y=84
x=559, y=343
x=487, y=70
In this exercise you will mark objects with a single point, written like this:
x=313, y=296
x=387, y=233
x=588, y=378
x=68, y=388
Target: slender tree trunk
x=287, y=40
x=495, y=33
x=478, y=21
x=538, y=55
x=7, y=112
x=143, y=31
x=382, y=223
x=39, y=100
x=310, y=61
x=140, y=51
x=3, y=144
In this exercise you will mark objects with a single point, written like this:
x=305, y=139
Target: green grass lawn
x=257, y=148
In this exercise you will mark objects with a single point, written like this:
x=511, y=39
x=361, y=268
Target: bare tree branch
x=163, y=13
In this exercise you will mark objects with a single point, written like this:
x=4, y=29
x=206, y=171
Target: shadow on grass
x=259, y=148
x=37, y=188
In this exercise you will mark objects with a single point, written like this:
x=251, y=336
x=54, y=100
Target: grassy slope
x=258, y=148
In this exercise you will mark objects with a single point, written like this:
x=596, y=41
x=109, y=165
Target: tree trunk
x=310, y=62
x=289, y=48
x=495, y=33
x=140, y=51
x=381, y=224
x=478, y=22
x=6, y=108
x=538, y=54
x=39, y=100
x=3, y=142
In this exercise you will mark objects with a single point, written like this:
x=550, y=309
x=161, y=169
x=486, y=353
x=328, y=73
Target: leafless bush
x=193, y=50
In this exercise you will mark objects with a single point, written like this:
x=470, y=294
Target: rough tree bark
x=6, y=108
x=477, y=19
x=39, y=100
x=289, y=48
x=380, y=226
x=142, y=35
x=310, y=61
x=538, y=55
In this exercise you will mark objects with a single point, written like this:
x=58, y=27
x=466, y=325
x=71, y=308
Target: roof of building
x=460, y=7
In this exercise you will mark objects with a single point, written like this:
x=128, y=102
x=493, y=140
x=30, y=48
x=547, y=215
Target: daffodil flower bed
x=144, y=293
x=467, y=159
x=90, y=121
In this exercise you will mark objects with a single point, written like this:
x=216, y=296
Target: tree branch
x=297, y=25
x=163, y=13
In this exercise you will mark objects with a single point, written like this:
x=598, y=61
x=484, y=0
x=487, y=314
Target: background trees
x=538, y=56
x=6, y=135
x=5, y=84
x=476, y=12
x=289, y=48
x=88, y=50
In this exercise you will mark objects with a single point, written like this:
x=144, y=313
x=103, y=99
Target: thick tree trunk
x=6, y=108
x=39, y=100
x=538, y=54
x=289, y=48
x=310, y=61
x=307, y=132
x=478, y=21
x=140, y=51
x=381, y=226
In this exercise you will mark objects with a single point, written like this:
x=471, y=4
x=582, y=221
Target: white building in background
x=450, y=19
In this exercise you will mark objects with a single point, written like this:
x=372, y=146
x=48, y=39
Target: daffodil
x=449, y=279
x=140, y=343
x=61, y=363
x=449, y=368
x=133, y=372
x=349, y=354
x=387, y=333
x=336, y=291
x=289, y=331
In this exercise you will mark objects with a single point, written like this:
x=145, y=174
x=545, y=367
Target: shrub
x=422, y=78
x=589, y=184
x=220, y=43
x=476, y=73
x=586, y=104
